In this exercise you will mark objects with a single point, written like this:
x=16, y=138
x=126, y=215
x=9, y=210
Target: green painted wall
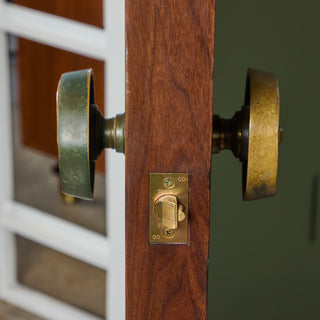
x=262, y=262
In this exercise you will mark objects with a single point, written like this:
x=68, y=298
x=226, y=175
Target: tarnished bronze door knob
x=82, y=133
x=253, y=135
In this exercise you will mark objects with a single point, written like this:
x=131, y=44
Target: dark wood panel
x=40, y=68
x=169, y=93
x=81, y=10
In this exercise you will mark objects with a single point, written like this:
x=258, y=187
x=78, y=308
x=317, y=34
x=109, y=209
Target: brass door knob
x=82, y=133
x=253, y=135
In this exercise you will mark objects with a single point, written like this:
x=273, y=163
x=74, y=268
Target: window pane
x=81, y=10
x=35, y=70
x=61, y=276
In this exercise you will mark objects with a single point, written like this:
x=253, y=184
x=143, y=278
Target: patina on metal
x=82, y=133
x=253, y=135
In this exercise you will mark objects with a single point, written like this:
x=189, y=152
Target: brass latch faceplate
x=168, y=208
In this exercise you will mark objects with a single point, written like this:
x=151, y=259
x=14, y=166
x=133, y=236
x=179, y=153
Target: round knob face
x=74, y=97
x=83, y=133
x=260, y=167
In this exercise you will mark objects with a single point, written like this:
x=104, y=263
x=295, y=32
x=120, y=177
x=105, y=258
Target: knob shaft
x=252, y=134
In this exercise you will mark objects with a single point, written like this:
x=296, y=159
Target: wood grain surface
x=169, y=93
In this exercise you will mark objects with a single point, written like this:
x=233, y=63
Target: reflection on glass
x=90, y=12
x=35, y=71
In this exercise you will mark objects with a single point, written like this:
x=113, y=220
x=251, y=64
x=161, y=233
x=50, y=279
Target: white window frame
x=105, y=252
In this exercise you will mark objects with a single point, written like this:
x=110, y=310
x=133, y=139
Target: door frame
x=105, y=252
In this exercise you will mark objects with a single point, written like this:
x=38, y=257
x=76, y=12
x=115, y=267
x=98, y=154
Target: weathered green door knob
x=82, y=133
